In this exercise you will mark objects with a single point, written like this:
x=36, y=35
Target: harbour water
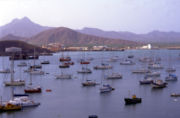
x=69, y=99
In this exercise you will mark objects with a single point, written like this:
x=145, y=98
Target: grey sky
x=138, y=16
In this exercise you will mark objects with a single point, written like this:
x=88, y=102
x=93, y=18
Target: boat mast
x=34, y=59
x=12, y=68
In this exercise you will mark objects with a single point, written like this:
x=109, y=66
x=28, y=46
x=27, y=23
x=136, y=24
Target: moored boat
x=127, y=62
x=9, y=107
x=133, y=100
x=64, y=65
x=159, y=84
x=146, y=81
x=15, y=83
x=171, y=77
x=103, y=66
x=24, y=102
x=84, y=70
x=153, y=74
x=175, y=94
x=141, y=71
x=64, y=76
x=114, y=76
x=105, y=88
x=89, y=83
x=33, y=90
x=170, y=70
x=45, y=62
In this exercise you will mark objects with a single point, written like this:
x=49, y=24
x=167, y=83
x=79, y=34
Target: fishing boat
x=9, y=107
x=103, y=66
x=171, y=77
x=158, y=84
x=133, y=100
x=106, y=88
x=33, y=90
x=146, y=81
x=89, y=83
x=114, y=76
x=153, y=74
x=84, y=70
x=24, y=102
x=127, y=62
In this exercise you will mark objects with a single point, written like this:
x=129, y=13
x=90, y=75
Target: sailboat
x=88, y=82
x=63, y=75
x=170, y=69
x=23, y=101
x=14, y=82
x=34, y=68
x=30, y=89
x=105, y=88
x=45, y=61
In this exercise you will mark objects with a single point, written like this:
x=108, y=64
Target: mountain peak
x=23, y=27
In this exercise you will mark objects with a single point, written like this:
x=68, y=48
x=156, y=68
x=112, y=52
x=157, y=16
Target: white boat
x=5, y=71
x=114, y=76
x=64, y=76
x=28, y=70
x=106, y=88
x=155, y=66
x=103, y=66
x=84, y=70
x=22, y=64
x=153, y=74
x=146, y=81
x=127, y=62
x=113, y=59
x=36, y=72
x=24, y=102
x=171, y=77
x=15, y=83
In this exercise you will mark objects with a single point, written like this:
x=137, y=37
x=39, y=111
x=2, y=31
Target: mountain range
x=151, y=37
x=26, y=30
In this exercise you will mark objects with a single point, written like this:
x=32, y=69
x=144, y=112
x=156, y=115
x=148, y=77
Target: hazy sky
x=138, y=16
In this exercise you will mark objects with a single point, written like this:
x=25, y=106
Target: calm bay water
x=69, y=99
